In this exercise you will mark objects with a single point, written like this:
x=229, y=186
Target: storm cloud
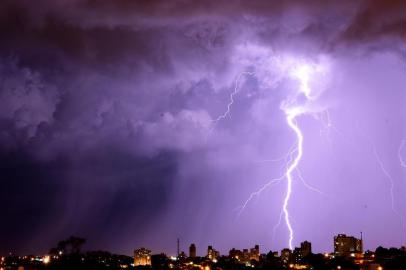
x=107, y=113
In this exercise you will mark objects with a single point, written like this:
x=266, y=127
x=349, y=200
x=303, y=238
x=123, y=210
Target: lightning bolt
x=308, y=186
x=269, y=183
x=401, y=160
x=291, y=121
x=389, y=177
x=325, y=118
x=295, y=153
x=385, y=172
x=277, y=225
x=293, y=166
x=235, y=92
x=292, y=111
x=259, y=191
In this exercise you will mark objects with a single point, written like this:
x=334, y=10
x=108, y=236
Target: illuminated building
x=305, y=248
x=182, y=256
x=245, y=256
x=235, y=254
x=254, y=253
x=192, y=251
x=346, y=245
x=286, y=255
x=302, y=252
x=297, y=255
x=212, y=253
x=142, y=256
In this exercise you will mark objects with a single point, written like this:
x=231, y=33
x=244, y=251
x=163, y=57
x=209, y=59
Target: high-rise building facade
x=235, y=254
x=142, y=256
x=305, y=248
x=346, y=245
x=300, y=253
x=297, y=255
x=246, y=255
x=192, y=251
x=286, y=255
x=212, y=254
x=254, y=253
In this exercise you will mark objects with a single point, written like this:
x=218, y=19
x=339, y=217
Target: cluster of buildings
x=245, y=255
x=143, y=257
x=344, y=247
x=348, y=254
x=297, y=255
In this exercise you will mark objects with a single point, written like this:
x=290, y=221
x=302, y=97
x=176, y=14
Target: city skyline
x=192, y=250
x=133, y=123
x=339, y=240
x=348, y=254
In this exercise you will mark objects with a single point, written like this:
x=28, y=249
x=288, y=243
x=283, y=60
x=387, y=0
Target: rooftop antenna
x=178, y=248
x=362, y=244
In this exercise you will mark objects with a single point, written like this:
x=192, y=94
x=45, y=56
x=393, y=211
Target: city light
x=46, y=259
x=298, y=259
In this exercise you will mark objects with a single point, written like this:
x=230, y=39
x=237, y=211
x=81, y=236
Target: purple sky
x=107, y=131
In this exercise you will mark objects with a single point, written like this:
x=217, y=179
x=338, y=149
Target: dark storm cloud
x=106, y=112
x=377, y=26
x=48, y=108
x=376, y=20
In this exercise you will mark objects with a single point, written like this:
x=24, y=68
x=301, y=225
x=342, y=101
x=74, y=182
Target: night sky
x=131, y=123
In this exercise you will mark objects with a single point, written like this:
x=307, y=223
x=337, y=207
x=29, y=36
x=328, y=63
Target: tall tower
x=361, y=243
x=177, y=249
x=210, y=252
x=305, y=248
x=192, y=251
